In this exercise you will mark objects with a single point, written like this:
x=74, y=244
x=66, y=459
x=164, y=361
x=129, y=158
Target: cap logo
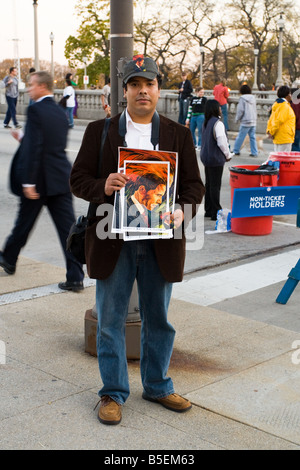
x=139, y=63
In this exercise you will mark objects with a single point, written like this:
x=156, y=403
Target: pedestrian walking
x=295, y=104
x=11, y=84
x=69, y=92
x=221, y=94
x=247, y=115
x=195, y=116
x=281, y=125
x=155, y=263
x=31, y=70
x=105, y=98
x=214, y=153
x=73, y=84
x=40, y=175
x=185, y=91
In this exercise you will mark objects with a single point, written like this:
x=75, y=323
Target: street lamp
x=84, y=61
x=280, y=24
x=256, y=52
x=51, y=37
x=121, y=47
x=36, y=42
x=201, y=63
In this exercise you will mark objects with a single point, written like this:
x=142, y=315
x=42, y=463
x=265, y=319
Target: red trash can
x=289, y=169
x=252, y=176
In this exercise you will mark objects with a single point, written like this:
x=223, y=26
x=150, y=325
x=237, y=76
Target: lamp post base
x=133, y=336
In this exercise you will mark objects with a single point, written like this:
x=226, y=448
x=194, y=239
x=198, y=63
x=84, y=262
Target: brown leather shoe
x=172, y=402
x=110, y=412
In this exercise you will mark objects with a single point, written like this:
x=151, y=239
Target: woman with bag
x=214, y=153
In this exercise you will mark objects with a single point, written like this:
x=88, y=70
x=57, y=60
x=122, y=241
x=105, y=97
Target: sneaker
x=252, y=155
x=110, y=412
x=173, y=402
x=18, y=126
x=6, y=126
x=236, y=153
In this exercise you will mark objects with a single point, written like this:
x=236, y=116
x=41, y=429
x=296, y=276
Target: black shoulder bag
x=76, y=237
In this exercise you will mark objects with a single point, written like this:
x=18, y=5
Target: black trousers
x=213, y=181
x=61, y=210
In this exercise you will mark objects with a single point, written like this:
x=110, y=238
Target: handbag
x=76, y=237
x=63, y=101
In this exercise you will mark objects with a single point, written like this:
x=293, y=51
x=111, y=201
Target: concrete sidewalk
x=239, y=374
x=237, y=360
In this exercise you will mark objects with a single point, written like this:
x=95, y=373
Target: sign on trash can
x=254, y=177
x=256, y=202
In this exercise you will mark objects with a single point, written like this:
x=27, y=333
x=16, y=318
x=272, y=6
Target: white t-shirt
x=138, y=135
x=69, y=90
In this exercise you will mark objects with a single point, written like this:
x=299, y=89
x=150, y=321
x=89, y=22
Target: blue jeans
x=137, y=260
x=183, y=110
x=244, y=130
x=224, y=109
x=69, y=112
x=197, y=123
x=11, y=110
x=296, y=144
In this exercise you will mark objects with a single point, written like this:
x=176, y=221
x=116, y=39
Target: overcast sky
x=16, y=22
x=57, y=16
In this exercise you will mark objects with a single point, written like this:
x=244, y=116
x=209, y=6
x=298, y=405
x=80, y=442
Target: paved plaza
x=236, y=354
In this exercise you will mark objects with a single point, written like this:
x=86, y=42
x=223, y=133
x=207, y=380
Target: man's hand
x=107, y=110
x=30, y=192
x=173, y=220
x=115, y=182
x=17, y=134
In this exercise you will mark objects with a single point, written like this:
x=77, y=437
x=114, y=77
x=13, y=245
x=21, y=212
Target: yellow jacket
x=282, y=122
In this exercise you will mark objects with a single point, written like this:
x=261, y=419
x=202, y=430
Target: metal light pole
x=280, y=24
x=51, y=37
x=121, y=44
x=121, y=47
x=201, y=63
x=36, y=41
x=256, y=52
x=16, y=45
x=17, y=57
x=84, y=61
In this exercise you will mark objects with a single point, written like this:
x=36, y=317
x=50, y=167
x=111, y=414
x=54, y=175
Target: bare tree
x=254, y=22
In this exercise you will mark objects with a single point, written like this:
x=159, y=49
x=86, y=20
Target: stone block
x=133, y=336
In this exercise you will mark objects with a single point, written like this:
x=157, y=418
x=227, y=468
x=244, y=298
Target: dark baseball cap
x=140, y=66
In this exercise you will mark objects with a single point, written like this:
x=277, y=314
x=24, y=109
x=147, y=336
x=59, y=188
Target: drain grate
x=36, y=292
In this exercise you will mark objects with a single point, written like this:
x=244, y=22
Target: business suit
x=170, y=254
x=41, y=161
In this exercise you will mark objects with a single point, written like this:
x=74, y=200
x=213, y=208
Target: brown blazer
x=102, y=254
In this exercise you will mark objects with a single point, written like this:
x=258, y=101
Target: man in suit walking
x=40, y=176
x=116, y=263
